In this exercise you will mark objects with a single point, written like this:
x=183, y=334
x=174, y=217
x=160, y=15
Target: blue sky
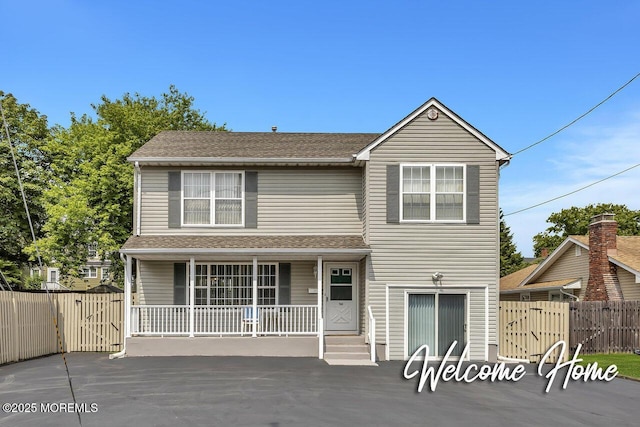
x=517, y=71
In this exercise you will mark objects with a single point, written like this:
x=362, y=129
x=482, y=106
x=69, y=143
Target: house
x=95, y=272
x=599, y=267
x=316, y=244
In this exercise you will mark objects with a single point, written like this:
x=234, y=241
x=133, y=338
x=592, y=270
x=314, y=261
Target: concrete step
x=350, y=362
x=346, y=355
x=344, y=339
x=347, y=348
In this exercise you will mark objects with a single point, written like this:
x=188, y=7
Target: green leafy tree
x=510, y=258
x=28, y=132
x=575, y=221
x=90, y=198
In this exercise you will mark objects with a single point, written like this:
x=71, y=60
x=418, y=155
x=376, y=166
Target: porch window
x=212, y=198
x=432, y=192
x=232, y=284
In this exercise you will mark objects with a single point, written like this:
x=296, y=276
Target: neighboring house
x=294, y=244
x=598, y=267
x=95, y=272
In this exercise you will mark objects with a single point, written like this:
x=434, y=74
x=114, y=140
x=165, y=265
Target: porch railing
x=224, y=320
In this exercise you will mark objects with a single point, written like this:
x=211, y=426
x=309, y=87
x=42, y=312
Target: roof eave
x=248, y=160
x=577, y=284
x=247, y=251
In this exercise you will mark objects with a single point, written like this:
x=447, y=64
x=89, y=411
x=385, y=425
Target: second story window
x=431, y=192
x=212, y=198
x=90, y=272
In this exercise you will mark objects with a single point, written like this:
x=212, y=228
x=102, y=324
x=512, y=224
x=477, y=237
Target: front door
x=341, y=297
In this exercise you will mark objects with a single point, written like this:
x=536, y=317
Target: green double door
x=436, y=320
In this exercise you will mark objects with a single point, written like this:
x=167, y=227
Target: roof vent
x=274, y=128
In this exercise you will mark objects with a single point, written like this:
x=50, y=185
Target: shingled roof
x=198, y=242
x=251, y=145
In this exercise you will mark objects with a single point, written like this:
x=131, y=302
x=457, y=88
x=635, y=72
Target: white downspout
x=568, y=294
x=127, y=307
x=138, y=183
x=320, y=316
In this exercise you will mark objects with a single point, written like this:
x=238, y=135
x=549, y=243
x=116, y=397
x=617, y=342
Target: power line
x=574, y=191
x=35, y=243
x=579, y=118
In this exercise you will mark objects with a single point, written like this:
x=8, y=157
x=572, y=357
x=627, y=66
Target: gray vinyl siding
x=409, y=253
x=630, y=289
x=155, y=282
x=475, y=316
x=568, y=266
x=301, y=281
x=290, y=201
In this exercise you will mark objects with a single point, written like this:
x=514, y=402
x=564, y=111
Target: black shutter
x=174, y=199
x=180, y=284
x=251, y=199
x=473, y=194
x=284, y=291
x=393, y=189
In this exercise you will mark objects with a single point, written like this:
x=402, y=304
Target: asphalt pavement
x=273, y=392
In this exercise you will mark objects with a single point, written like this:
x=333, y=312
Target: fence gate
x=528, y=329
x=91, y=322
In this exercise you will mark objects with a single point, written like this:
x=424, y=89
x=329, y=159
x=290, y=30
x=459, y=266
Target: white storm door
x=341, y=297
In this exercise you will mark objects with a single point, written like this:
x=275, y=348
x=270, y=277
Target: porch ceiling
x=305, y=247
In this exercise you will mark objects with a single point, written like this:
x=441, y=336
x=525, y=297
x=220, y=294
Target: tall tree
x=510, y=258
x=28, y=131
x=575, y=221
x=90, y=198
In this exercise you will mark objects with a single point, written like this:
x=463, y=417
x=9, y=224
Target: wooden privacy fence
x=605, y=326
x=87, y=322
x=529, y=329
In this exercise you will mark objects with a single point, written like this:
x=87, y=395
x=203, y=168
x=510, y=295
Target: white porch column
x=192, y=296
x=127, y=298
x=254, y=322
x=320, y=316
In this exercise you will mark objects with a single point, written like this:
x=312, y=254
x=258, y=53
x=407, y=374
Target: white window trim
x=86, y=272
x=208, y=264
x=467, y=315
x=525, y=296
x=578, y=250
x=104, y=273
x=212, y=190
x=432, y=192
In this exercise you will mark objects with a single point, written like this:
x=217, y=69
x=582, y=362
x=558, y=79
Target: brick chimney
x=603, y=281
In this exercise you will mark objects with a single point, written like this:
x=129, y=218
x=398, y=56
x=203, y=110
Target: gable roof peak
x=501, y=154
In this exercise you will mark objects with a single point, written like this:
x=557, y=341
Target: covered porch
x=205, y=295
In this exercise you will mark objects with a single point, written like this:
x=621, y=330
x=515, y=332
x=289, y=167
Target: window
x=105, y=273
x=232, y=284
x=212, y=198
x=525, y=296
x=90, y=272
x=432, y=192
x=559, y=296
x=578, y=250
x=92, y=250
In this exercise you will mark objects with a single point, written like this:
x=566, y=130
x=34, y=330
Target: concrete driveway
x=214, y=391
